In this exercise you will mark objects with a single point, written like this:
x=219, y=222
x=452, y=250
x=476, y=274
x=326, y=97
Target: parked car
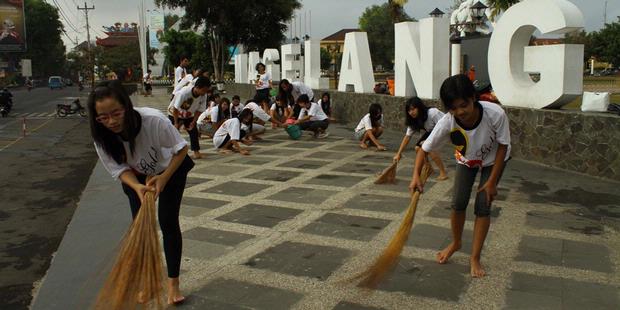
x=55, y=82
x=68, y=82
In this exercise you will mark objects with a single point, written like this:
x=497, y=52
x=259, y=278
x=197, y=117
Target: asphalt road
x=42, y=176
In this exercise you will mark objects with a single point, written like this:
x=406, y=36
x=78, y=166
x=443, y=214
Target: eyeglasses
x=105, y=117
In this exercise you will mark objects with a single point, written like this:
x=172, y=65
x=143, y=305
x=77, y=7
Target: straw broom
x=388, y=175
x=388, y=259
x=137, y=275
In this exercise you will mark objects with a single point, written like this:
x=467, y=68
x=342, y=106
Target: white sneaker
x=323, y=135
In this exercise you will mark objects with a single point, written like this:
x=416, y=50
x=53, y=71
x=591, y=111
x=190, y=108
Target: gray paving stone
x=300, y=259
x=351, y=148
x=243, y=295
x=215, y=236
x=378, y=203
x=199, y=303
x=428, y=279
x=218, y=170
x=528, y=291
x=190, y=211
x=383, y=158
x=260, y=215
x=203, y=250
x=280, y=152
x=202, y=202
x=343, y=305
x=328, y=155
x=437, y=238
x=443, y=209
x=304, y=164
x=566, y=253
x=524, y=300
x=191, y=181
x=302, y=195
x=305, y=145
x=362, y=168
x=234, y=188
x=253, y=160
x=346, y=226
x=268, y=142
x=401, y=186
x=569, y=220
x=335, y=180
x=274, y=175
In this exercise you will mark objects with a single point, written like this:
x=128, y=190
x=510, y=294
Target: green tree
x=186, y=44
x=377, y=22
x=605, y=43
x=397, y=11
x=170, y=20
x=326, y=59
x=499, y=6
x=255, y=24
x=43, y=32
x=120, y=58
x=581, y=37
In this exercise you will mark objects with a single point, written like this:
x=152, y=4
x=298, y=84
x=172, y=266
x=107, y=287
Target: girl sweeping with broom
x=420, y=117
x=136, y=143
x=480, y=133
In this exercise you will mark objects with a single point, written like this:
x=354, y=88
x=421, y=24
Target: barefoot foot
x=445, y=254
x=476, y=269
x=363, y=145
x=442, y=177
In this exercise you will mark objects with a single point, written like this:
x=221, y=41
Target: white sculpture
x=464, y=15
x=270, y=56
x=291, y=62
x=356, y=67
x=312, y=67
x=511, y=59
x=241, y=68
x=422, y=51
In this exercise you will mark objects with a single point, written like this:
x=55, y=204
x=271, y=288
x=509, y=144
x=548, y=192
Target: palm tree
x=498, y=6
x=396, y=9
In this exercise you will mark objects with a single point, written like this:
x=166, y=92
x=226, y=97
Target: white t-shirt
x=187, y=104
x=215, y=111
x=235, y=110
x=156, y=143
x=263, y=81
x=178, y=75
x=300, y=88
x=204, y=117
x=316, y=112
x=477, y=146
x=434, y=115
x=187, y=80
x=146, y=78
x=230, y=127
x=274, y=107
x=257, y=111
x=366, y=123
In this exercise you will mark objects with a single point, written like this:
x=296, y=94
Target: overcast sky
x=328, y=16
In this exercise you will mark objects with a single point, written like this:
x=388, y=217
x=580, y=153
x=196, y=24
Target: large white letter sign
x=270, y=56
x=356, y=68
x=312, y=68
x=291, y=63
x=252, y=61
x=511, y=59
x=422, y=49
x=241, y=68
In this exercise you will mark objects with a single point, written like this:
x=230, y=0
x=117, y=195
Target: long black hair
x=223, y=114
x=376, y=112
x=245, y=113
x=418, y=122
x=286, y=94
x=281, y=105
x=105, y=138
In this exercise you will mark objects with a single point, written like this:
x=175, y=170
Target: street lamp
x=436, y=13
x=477, y=11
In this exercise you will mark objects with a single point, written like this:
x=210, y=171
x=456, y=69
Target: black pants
x=314, y=125
x=242, y=134
x=168, y=213
x=193, y=134
x=262, y=94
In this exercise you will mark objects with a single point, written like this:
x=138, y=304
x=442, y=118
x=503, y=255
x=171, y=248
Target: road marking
x=20, y=138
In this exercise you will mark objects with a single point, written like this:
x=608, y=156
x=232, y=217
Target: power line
x=64, y=16
x=90, y=53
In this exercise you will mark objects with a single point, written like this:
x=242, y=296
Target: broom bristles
x=388, y=175
x=389, y=257
x=137, y=274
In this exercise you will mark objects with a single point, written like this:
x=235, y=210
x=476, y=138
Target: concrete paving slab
x=242, y=295
x=227, y=238
x=379, y=203
x=260, y=215
x=274, y=175
x=302, y=195
x=234, y=188
x=335, y=180
x=346, y=227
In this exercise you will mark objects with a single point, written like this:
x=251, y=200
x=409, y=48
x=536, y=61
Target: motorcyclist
x=7, y=96
x=29, y=84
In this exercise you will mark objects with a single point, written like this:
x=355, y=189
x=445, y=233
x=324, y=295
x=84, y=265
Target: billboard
x=156, y=29
x=13, y=27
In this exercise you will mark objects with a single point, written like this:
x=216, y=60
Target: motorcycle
x=80, y=86
x=6, y=102
x=63, y=110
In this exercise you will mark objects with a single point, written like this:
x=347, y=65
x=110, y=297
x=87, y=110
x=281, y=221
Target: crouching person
x=312, y=118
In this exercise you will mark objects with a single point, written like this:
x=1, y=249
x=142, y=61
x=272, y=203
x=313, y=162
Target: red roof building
x=118, y=36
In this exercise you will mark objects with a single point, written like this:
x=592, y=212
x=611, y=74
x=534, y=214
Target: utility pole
x=90, y=51
x=605, y=14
